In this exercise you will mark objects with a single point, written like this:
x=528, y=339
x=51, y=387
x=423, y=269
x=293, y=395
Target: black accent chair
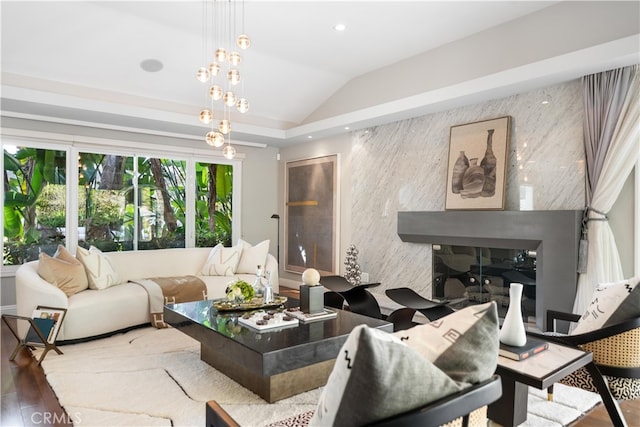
x=614, y=372
x=357, y=297
x=412, y=300
x=469, y=404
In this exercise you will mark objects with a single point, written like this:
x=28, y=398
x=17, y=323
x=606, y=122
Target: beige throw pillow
x=222, y=261
x=252, y=256
x=63, y=271
x=100, y=271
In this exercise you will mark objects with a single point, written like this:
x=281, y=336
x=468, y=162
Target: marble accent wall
x=402, y=166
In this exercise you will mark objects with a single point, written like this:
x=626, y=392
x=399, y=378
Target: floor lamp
x=276, y=216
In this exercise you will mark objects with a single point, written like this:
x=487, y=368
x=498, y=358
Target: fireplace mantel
x=554, y=235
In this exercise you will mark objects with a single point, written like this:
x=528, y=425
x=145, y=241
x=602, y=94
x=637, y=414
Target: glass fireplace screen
x=467, y=275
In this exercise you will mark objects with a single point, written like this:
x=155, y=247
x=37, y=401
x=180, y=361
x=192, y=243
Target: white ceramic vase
x=512, y=332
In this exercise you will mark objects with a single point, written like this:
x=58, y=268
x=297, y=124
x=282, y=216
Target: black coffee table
x=273, y=364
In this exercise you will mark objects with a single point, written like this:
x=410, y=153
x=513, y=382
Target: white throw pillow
x=252, y=256
x=610, y=303
x=100, y=271
x=222, y=261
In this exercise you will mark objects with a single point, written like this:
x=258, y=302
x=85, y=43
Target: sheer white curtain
x=616, y=163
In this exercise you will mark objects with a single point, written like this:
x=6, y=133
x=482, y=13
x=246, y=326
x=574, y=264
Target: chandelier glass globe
x=229, y=152
x=242, y=105
x=229, y=99
x=221, y=54
x=206, y=116
x=235, y=58
x=215, y=92
x=215, y=139
x=233, y=76
x=209, y=137
x=214, y=68
x=224, y=126
x=243, y=41
x=202, y=74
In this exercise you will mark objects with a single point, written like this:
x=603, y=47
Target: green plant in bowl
x=240, y=291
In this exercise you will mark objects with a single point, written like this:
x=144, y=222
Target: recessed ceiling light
x=340, y=27
x=151, y=65
x=545, y=102
x=310, y=137
x=347, y=128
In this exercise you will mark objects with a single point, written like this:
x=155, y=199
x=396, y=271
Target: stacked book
x=532, y=347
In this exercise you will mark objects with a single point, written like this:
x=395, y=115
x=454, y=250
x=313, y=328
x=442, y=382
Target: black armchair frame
x=454, y=406
x=595, y=369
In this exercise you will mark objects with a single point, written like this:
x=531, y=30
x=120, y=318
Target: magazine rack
x=23, y=342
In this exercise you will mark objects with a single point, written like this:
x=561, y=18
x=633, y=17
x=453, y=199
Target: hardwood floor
x=27, y=399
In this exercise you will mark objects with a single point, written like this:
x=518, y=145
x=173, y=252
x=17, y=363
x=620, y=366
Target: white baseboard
x=8, y=309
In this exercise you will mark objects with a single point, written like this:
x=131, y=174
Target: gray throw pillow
x=463, y=344
x=377, y=376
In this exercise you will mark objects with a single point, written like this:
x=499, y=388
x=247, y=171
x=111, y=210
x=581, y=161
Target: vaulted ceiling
x=80, y=62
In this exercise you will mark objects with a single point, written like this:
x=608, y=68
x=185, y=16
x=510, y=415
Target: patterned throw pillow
x=100, y=271
x=64, y=271
x=222, y=261
x=376, y=367
x=463, y=344
x=252, y=256
x=611, y=303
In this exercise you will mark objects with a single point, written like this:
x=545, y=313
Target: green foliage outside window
x=35, y=205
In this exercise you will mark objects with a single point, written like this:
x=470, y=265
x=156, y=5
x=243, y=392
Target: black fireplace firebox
x=467, y=275
x=548, y=240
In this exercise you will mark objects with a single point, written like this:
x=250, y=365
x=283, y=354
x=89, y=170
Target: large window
x=34, y=202
x=161, y=203
x=105, y=201
x=214, y=184
x=116, y=201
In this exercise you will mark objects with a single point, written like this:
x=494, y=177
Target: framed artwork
x=311, y=215
x=54, y=314
x=477, y=167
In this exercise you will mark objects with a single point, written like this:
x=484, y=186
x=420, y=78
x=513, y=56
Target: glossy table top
x=203, y=314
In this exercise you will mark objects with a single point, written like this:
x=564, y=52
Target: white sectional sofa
x=95, y=312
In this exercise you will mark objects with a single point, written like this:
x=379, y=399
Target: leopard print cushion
x=300, y=420
x=621, y=388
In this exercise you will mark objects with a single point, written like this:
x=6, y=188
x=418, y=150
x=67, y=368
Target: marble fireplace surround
x=553, y=234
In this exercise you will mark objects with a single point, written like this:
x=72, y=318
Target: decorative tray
x=263, y=320
x=254, y=304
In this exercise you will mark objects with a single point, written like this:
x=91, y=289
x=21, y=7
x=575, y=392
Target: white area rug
x=154, y=377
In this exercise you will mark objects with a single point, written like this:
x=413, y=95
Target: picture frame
x=477, y=165
x=312, y=214
x=56, y=314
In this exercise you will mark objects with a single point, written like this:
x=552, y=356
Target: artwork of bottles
x=477, y=164
x=473, y=180
x=488, y=163
x=459, y=168
x=470, y=179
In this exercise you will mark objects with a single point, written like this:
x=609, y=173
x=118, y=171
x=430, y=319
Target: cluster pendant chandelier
x=223, y=38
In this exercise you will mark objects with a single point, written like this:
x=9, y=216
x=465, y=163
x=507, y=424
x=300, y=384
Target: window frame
x=72, y=145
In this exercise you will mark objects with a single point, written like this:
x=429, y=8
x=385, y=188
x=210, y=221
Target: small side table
x=540, y=371
x=22, y=342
